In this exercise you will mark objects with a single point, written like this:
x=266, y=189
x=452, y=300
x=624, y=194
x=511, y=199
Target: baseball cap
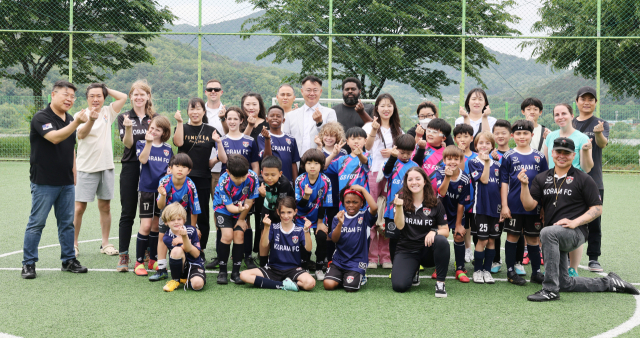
x=564, y=143
x=586, y=90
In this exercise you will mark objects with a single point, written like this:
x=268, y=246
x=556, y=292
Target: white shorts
x=90, y=185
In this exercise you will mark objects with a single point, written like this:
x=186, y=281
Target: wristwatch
x=319, y=124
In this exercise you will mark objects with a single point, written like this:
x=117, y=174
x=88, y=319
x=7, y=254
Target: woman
x=476, y=113
x=253, y=108
x=426, y=112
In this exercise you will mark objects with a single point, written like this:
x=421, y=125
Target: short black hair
x=311, y=78
x=311, y=155
x=272, y=161
x=354, y=80
x=237, y=165
x=63, y=84
x=405, y=142
x=194, y=102
x=441, y=125
x=502, y=123
x=522, y=125
x=463, y=128
x=102, y=86
x=355, y=132
x=181, y=159
x=531, y=101
x=275, y=107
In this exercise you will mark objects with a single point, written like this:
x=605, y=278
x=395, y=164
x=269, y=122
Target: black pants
x=405, y=264
x=129, y=177
x=595, y=235
x=203, y=187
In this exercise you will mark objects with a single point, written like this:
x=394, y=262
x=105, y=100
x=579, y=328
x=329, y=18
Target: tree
x=416, y=61
x=619, y=62
x=94, y=55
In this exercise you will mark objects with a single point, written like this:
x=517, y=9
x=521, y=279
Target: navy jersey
x=187, y=195
x=394, y=184
x=334, y=177
x=467, y=159
x=321, y=197
x=228, y=192
x=486, y=199
x=352, y=250
x=457, y=194
x=350, y=171
x=192, y=233
x=283, y=147
x=245, y=146
x=285, y=247
x=501, y=155
x=513, y=161
x=155, y=168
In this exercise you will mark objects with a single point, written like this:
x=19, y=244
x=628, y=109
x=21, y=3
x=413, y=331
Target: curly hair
x=334, y=129
x=429, y=199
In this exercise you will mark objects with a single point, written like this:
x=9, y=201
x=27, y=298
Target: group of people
x=368, y=192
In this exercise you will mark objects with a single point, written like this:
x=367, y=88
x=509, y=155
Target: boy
x=517, y=219
x=502, y=135
x=463, y=135
x=275, y=142
x=232, y=200
x=531, y=108
x=429, y=152
x=176, y=187
x=185, y=259
x=453, y=189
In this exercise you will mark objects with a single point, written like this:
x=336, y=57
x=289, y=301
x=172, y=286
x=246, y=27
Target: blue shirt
x=487, y=196
x=156, y=166
x=334, y=177
x=473, y=155
x=187, y=195
x=245, y=146
x=285, y=148
x=458, y=193
x=513, y=161
x=285, y=247
x=321, y=197
x=394, y=184
x=579, y=139
x=350, y=171
x=228, y=192
x=192, y=233
x=352, y=250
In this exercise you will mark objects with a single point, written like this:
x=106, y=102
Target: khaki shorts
x=90, y=185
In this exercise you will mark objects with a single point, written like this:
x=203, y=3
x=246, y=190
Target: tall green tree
x=94, y=55
x=417, y=61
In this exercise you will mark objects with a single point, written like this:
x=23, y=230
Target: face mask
x=424, y=123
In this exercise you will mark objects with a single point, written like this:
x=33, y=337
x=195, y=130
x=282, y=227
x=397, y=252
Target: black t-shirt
x=255, y=132
x=586, y=127
x=51, y=164
x=417, y=225
x=139, y=130
x=348, y=117
x=576, y=193
x=198, y=144
x=448, y=141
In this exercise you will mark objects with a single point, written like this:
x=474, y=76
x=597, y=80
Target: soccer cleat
x=434, y=275
x=389, y=276
x=520, y=269
x=594, y=266
x=28, y=271
x=525, y=259
x=416, y=279
x=478, y=277
x=289, y=285
x=462, y=276
x=147, y=257
x=153, y=264
x=140, y=270
x=372, y=265
x=319, y=275
x=387, y=265
x=542, y=260
x=222, y=278
x=171, y=285
x=235, y=277
x=74, y=266
x=183, y=281
x=543, y=296
x=159, y=275
x=468, y=255
x=440, y=291
x=488, y=279
x=213, y=264
x=620, y=286
x=364, y=280
x=515, y=279
x=250, y=263
x=573, y=273
x=495, y=267
x=537, y=278
x=123, y=262
x=421, y=268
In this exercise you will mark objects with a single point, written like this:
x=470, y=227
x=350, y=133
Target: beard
x=350, y=100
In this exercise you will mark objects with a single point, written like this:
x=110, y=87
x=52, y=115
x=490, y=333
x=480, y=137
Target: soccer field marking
x=626, y=326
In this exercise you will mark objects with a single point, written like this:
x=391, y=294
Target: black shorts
x=148, y=205
x=469, y=220
x=349, y=279
x=193, y=270
x=390, y=229
x=486, y=227
x=228, y=222
x=280, y=275
x=530, y=225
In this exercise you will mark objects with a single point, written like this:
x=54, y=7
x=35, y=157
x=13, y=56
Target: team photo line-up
x=349, y=175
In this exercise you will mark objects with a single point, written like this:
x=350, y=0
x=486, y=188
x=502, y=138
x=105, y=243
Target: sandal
x=75, y=247
x=109, y=250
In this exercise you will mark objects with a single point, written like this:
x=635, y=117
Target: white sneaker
x=319, y=275
x=520, y=269
x=387, y=265
x=478, y=277
x=468, y=255
x=372, y=265
x=488, y=279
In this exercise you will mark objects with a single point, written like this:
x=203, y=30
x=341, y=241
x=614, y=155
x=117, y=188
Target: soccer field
x=107, y=303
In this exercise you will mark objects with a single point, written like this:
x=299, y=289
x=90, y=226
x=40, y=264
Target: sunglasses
x=215, y=89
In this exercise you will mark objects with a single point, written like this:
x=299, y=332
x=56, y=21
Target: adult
x=426, y=112
x=94, y=161
x=253, y=107
x=52, y=173
x=215, y=118
x=305, y=122
x=476, y=112
x=133, y=126
x=352, y=112
x=570, y=199
x=286, y=96
x=596, y=129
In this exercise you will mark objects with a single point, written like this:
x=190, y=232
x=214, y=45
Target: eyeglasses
x=68, y=96
x=422, y=116
x=434, y=132
x=309, y=91
x=214, y=89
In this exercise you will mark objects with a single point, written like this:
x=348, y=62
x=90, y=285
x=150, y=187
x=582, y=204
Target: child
x=176, y=187
x=518, y=221
x=502, y=135
x=274, y=186
x=275, y=142
x=154, y=155
x=485, y=177
x=350, y=235
x=313, y=195
x=531, y=108
x=185, y=259
x=453, y=189
x=232, y=200
x=463, y=135
x=286, y=243
x=429, y=153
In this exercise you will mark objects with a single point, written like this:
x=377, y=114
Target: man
x=285, y=96
x=52, y=138
x=352, y=112
x=596, y=129
x=570, y=201
x=305, y=122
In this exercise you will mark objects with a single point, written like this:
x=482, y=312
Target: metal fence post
x=71, y=41
x=462, y=53
x=200, y=84
x=506, y=110
x=330, y=49
x=598, y=59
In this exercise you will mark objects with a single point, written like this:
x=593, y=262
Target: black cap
x=586, y=90
x=564, y=143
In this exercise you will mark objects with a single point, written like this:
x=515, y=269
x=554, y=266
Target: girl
x=287, y=242
x=422, y=222
x=382, y=134
x=253, y=108
x=476, y=113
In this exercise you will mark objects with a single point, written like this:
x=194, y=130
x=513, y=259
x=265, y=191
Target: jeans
x=43, y=197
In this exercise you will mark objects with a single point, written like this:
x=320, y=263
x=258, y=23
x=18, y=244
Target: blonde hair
x=334, y=129
x=144, y=86
x=486, y=135
x=453, y=151
x=173, y=211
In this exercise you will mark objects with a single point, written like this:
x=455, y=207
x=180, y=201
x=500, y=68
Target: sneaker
x=250, y=263
x=364, y=280
x=488, y=279
x=159, y=275
x=543, y=296
x=213, y=264
x=594, y=266
x=416, y=279
x=319, y=275
x=372, y=265
x=461, y=275
x=222, y=278
x=140, y=270
x=289, y=285
x=573, y=273
x=620, y=286
x=440, y=291
x=434, y=275
x=495, y=267
x=478, y=277
x=468, y=255
x=520, y=269
x=153, y=264
x=123, y=262
x=171, y=285
x=74, y=266
x=537, y=278
x=28, y=271
x=235, y=277
x=387, y=265
x=525, y=259
x=515, y=279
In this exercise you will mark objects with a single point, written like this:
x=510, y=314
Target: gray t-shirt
x=586, y=127
x=348, y=117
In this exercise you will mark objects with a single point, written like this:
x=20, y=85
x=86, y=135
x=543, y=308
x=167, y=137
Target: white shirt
x=95, y=151
x=535, y=140
x=378, y=145
x=299, y=123
x=214, y=121
x=476, y=124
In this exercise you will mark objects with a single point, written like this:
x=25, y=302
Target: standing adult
x=133, y=126
x=305, y=122
x=598, y=130
x=570, y=199
x=94, y=162
x=253, y=107
x=426, y=112
x=52, y=173
x=352, y=112
x=286, y=96
x=476, y=112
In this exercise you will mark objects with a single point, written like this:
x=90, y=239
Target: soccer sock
x=162, y=264
x=176, y=266
x=153, y=245
x=223, y=255
x=520, y=250
x=458, y=249
x=141, y=245
x=488, y=258
x=321, y=248
x=218, y=238
x=264, y=260
x=265, y=283
x=496, y=258
x=238, y=254
x=510, y=254
x=478, y=257
x=534, y=256
x=248, y=242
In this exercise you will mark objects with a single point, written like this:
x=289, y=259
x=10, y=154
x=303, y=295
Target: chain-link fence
x=410, y=49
